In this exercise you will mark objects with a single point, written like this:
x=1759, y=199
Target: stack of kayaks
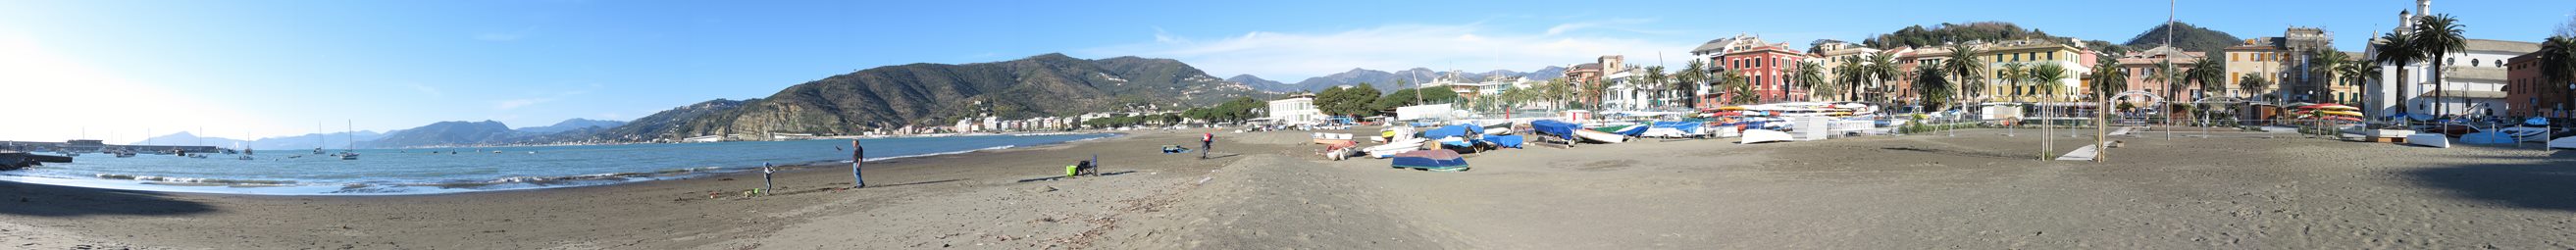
x=2330, y=111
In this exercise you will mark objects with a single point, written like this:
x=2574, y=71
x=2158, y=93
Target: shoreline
x=1980, y=189
x=219, y=186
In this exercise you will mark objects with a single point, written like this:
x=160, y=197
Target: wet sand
x=1980, y=189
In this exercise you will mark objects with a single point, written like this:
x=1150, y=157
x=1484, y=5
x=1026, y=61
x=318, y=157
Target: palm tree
x=2210, y=76
x=2359, y=72
x=2558, y=63
x=2437, y=36
x=2254, y=85
x=1692, y=75
x=1968, y=69
x=1739, y=89
x=2164, y=77
x=2013, y=75
x=1851, y=76
x=2324, y=63
x=2107, y=79
x=2045, y=77
x=2394, y=48
x=1929, y=85
x=1806, y=75
x=1882, y=68
x=1654, y=78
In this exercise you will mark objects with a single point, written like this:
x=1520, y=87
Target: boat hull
x=1601, y=137
x=2429, y=140
x=1752, y=136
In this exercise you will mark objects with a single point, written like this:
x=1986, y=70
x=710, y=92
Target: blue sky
x=278, y=68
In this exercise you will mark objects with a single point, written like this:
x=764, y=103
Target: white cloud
x=516, y=103
x=1623, y=24
x=1294, y=56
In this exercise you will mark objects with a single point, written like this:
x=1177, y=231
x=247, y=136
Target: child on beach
x=1206, y=140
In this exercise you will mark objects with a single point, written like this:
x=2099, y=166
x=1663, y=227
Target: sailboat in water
x=350, y=153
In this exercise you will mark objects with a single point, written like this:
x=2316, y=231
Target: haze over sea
x=450, y=170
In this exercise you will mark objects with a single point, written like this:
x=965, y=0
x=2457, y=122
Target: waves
x=187, y=180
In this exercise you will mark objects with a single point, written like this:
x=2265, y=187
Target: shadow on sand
x=2546, y=184
x=59, y=201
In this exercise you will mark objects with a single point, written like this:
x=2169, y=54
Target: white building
x=2472, y=82
x=1296, y=109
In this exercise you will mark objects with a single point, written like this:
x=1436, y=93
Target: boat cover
x=1452, y=131
x=1559, y=129
x=1685, y=127
x=1508, y=141
x=1430, y=159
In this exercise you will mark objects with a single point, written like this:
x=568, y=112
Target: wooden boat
x=1598, y=136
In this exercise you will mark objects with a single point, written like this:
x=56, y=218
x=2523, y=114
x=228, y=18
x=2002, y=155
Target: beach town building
x=2533, y=95
x=1597, y=73
x=1765, y=65
x=2258, y=57
x=1829, y=60
x=2144, y=71
x=1296, y=109
x=2030, y=53
x=2473, y=80
x=1912, y=60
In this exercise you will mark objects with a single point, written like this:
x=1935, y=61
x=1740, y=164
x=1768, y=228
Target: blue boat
x=1558, y=129
x=1434, y=160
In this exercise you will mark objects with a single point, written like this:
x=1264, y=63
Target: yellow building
x=2257, y=57
x=2030, y=54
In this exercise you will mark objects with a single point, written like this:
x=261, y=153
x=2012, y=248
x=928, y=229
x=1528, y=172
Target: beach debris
x=1043, y=189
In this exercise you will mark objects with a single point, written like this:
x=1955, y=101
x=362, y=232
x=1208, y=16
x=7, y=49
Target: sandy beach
x=1980, y=189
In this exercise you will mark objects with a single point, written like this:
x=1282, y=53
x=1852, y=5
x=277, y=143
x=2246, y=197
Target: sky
x=262, y=68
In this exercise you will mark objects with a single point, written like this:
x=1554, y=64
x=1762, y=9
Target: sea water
x=450, y=170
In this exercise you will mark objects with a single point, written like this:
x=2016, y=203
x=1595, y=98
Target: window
x=2052, y=55
x=2232, y=57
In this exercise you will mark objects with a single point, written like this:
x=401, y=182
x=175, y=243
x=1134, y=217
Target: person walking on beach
x=1206, y=140
x=767, y=183
x=858, y=155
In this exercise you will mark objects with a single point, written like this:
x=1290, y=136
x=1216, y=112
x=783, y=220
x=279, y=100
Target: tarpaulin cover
x=1430, y=159
x=1561, y=130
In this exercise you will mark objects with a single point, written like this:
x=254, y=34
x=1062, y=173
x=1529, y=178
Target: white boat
x=2526, y=134
x=1752, y=136
x=1598, y=136
x=2566, y=143
x=1395, y=147
x=350, y=154
x=2429, y=140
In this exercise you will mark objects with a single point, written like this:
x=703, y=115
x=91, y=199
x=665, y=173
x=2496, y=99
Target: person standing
x=767, y=182
x=856, y=156
x=1206, y=140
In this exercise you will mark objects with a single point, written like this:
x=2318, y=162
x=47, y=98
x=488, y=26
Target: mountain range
x=306, y=141
x=925, y=94
x=1385, y=81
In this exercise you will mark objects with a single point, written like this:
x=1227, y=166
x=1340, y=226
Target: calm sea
x=421, y=171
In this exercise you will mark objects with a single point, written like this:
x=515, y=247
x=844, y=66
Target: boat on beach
x=1752, y=136
x=1598, y=136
